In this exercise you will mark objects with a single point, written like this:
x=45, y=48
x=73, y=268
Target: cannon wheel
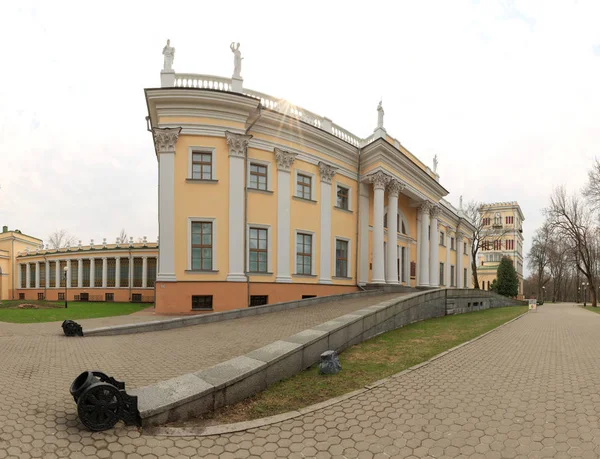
x=99, y=407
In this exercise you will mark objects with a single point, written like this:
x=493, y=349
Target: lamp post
x=543, y=294
x=584, y=286
x=578, y=292
x=66, y=286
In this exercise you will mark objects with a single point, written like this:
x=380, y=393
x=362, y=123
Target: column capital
x=165, y=139
x=284, y=159
x=434, y=212
x=144, y=257
x=394, y=187
x=117, y=258
x=425, y=207
x=327, y=172
x=379, y=180
x=460, y=235
x=104, y=258
x=238, y=143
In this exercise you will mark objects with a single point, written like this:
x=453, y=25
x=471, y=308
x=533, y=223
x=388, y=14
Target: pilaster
x=379, y=181
x=117, y=272
x=80, y=273
x=434, y=261
x=144, y=272
x=238, y=144
x=424, y=255
x=37, y=274
x=284, y=159
x=104, y=272
x=393, y=187
x=165, y=140
x=92, y=272
x=364, y=192
x=326, y=172
x=57, y=274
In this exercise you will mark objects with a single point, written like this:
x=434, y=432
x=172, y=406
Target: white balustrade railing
x=190, y=80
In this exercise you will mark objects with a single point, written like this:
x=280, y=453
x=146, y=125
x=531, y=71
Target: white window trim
x=443, y=239
x=189, y=240
x=313, y=182
x=313, y=253
x=347, y=187
x=199, y=149
x=269, y=245
x=349, y=262
x=261, y=163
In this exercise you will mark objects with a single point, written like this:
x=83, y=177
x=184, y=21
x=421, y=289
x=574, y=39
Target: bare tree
x=592, y=188
x=558, y=258
x=538, y=257
x=572, y=221
x=122, y=236
x=475, y=212
x=61, y=238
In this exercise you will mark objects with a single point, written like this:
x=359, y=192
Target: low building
x=104, y=272
x=262, y=201
x=502, y=224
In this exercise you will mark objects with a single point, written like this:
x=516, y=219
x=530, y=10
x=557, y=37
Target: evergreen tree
x=506, y=282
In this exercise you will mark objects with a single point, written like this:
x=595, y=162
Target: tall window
x=465, y=277
x=62, y=266
x=74, y=273
x=258, y=176
x=452, y=244
x=42, y=275
x=341, y=258
x=111, y=272
x=202, y=245
x=138, y=268
x=202, y=166
x=497, y=245
x=124, y=276
x=97, y=272
x=442, y=274
x=486, y=221
x=52, y=274
x=258, y=250
x=442, y=241
x=32, y=275
x=86, y=273
x=303, y=253
x=303, y=186
x=452, y=283
x=342, y=197
x=151, y=274
x=23, y=276
x=510, y=244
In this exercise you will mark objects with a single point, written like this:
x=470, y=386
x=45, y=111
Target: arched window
x=403, y=228
x=497, y=219
x=399, y=223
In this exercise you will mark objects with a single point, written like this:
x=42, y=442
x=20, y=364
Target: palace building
x=502, y=225
x=262, y=201
x=104, y=272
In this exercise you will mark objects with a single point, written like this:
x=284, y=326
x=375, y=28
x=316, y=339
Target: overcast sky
x=504, y=92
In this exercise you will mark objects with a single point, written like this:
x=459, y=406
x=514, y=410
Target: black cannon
x=102, y=401
x=71, y=328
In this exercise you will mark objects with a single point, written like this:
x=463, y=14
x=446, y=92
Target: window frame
x=202, y=149
x=442, y=239
x=312, y=176
x=348, y=257
x=339, y=184
x=203, y=308
x=259, y=162
x=214, y=242
x=269, y=251
x=313, y=252
x=452, y=243
x=452, y=276
x=442, y=272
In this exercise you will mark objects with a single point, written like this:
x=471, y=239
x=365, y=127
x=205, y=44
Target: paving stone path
x=529, y=390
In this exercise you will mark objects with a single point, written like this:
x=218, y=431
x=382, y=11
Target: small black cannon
x=102, y=401
x=72, y=328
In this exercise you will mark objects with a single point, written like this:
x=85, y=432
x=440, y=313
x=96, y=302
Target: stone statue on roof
x=237, y=60
x=380, y=114
x=169, y=53
x=435, y=164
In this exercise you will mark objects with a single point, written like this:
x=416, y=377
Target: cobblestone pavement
x=528, y=390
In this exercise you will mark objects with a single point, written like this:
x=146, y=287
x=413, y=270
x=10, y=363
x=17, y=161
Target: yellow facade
x=11, y=243
x=210, y=143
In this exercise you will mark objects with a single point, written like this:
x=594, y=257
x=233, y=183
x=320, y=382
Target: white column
x=80, y=273
x=459, y=259
x=47, y=274
x=104, y=271
x=327, y=172
x=117, y=272
x=434, y=261
x=37, y=274
x=130, y=271
x=92, y=272
x=364, y=190
x=165, y=140
x=19, y=275
x=68, y=280
x=284, y=159
x=379, y=180
x=469, y=267
x=27, y=275
x=424, y=236
x=144, y=272
x=394, y=187
x=447, y=265
x=57, y=274
x=238, y=144
x=418, y=237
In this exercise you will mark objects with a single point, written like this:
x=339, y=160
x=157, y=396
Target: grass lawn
x=368, y=362
x=55, y=311
x=589, y=308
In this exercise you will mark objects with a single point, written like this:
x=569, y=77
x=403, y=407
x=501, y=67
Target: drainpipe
x=246, y=166
x=357, y=262
x=45, y=275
